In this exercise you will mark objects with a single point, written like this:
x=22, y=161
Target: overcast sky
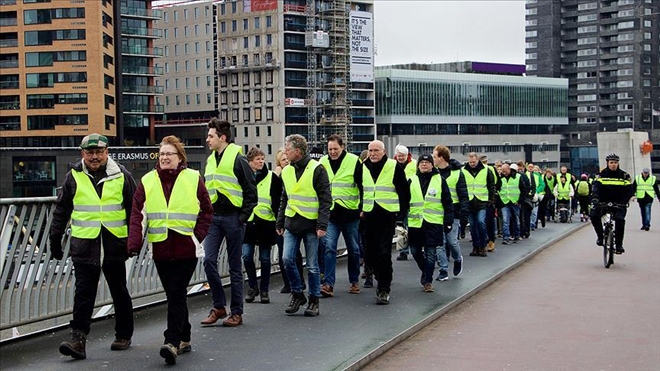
x=437, y=31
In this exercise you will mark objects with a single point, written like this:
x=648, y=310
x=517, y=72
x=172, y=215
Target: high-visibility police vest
x=644, y=187
x=382, y=191
x=179, y=214
x=510, y=191
x=410, y=169
x=264, y=208
x=91, y=211
x=426, y=206
x=302, y=198
x=344, y=187
x=564, y=190
x=452, y=180
x=477, y=186
x=221, y=178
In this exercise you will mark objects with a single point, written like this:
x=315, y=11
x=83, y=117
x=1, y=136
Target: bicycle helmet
x=612, y=157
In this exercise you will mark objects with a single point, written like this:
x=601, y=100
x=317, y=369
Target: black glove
x=594, y=202
x=56, y=248
x=448, y=228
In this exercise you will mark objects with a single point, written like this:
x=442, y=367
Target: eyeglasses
x=91, y=152
x=167, y=154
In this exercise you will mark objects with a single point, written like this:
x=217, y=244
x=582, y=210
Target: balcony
x=255, y=65
x=142, y=108
x=138, y=50
x=142, y=89
x=9, y=85
x=142, y=31
x=141, y=70
x=8, y=43
x=10, y=105
x=141, y=12
x=290, y=8
x=7, y=2
x=8, y=22
x=363, y=102
x=9, y=63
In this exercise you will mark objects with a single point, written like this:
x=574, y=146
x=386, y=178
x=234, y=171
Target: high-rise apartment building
x=279, y=68
x=608, y=50
x=70, y=68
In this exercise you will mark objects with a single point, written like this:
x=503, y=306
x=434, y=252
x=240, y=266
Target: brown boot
x=76, y=347
x=215, y=315
x=482, y=251
x=475, y=251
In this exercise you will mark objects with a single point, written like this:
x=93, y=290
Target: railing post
x=5, y=235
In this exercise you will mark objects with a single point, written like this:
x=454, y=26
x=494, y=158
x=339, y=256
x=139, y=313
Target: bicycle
x=608, y=231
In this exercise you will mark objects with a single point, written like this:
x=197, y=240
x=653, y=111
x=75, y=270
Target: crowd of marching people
x=185, y=215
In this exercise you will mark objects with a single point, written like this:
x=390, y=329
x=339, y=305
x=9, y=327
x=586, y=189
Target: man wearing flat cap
x=97, y=196
x=645, y=187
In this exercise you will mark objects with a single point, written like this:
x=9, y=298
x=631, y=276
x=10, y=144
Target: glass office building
x=504, y=116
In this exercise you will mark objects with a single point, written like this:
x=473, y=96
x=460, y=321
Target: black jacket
x=88, y=251
x=400, y=185
x=299, y=224
x=432, y=234
x=245, y=176
x=619, y=194
x=461, y=209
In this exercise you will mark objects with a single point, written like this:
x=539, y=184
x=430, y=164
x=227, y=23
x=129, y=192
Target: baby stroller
x=563, y=212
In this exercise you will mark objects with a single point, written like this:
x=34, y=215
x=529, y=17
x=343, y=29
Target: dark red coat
x=176, y=246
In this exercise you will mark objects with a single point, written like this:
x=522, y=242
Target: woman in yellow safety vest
x=260, y=229
x=173, y=203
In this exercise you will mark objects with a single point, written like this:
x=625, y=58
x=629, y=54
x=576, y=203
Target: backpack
x=583, y=188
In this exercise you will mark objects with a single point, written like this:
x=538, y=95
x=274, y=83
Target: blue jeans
x=230, y=228
x=510, y=217
x=477, y=219
x=534, y=218
x=425, y=258
x=451, y=243
x=350, y=232
x=291, y=246
x=251, y=269
x=645, y=209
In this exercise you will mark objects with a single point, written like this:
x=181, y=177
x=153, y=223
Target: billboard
x=362, y=46
x=259, y=5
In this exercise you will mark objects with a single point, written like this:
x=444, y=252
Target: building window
x=246, y=115
x=257, y=23
x=245, y=131
x=246, y=24
x=269, y=21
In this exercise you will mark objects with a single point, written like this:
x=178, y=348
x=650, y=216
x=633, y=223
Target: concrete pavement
x=350, y=331
x=561, y=310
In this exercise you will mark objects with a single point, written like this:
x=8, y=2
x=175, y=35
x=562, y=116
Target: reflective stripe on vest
x=221, y=178
x=91, y=211
x=452, y=180
x=179, y=214
x=382, y=192
x=426, y=207
x=644, y=187
x=302, y=198
x=344, y=188
x=477, y=186
x=264, y=208
x=510, y=191
x=613, y=181
x=564, y=190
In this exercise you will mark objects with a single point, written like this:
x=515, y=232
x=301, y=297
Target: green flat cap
x=94, y=141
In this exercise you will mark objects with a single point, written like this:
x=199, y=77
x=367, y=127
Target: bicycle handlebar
x=611, y=205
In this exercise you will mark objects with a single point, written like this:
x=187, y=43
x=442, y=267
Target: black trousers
x=380, y=230
x=175, y=276
x=619, y=224
x=87, y=282
x=543, y=208
x=525, y=216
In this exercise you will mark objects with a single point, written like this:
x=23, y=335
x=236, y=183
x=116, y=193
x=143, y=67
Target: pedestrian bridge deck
x=349, y=332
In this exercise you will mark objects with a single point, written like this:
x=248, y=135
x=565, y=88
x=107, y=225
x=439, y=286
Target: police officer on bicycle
x=611, y=185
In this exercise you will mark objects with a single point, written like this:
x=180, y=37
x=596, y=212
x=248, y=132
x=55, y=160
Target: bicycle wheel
x=608, y=247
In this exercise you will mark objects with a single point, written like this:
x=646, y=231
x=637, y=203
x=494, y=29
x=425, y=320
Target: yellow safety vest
x=477, y=186
x=264, y=208
x=426, y=207
x=179, y=214
x=383, y=191
x=569, y=178
x=452, y=180
x=510, y=191
x=302, y=198
x=644, y=187
x=344, y=187
x=221, y=178
x=410, y=169
x=564, y=190
x=91, y=211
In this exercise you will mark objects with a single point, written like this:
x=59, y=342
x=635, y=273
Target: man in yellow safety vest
x=644, y=187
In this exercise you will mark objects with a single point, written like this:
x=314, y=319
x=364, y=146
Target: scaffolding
x=329, y=88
